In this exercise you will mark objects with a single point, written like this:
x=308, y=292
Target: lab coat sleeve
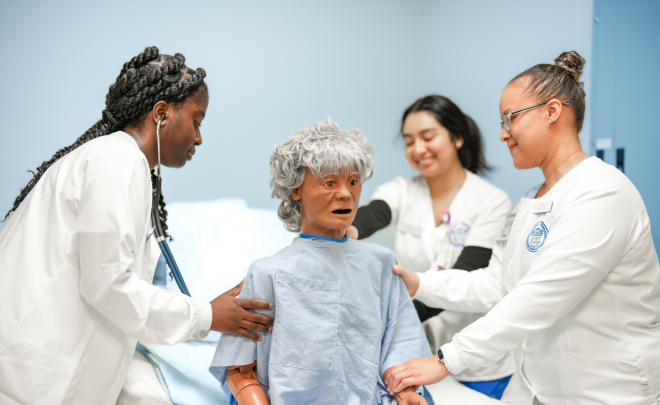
x=489, y=221
x=391, y=192
x=403, y=338
x=113, y=212
x=458, y=290
x=586, y=239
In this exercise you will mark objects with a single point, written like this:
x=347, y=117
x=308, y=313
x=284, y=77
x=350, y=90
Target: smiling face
x=529, y=140
x=329, y=202
x=181, y=132
x=429, y=147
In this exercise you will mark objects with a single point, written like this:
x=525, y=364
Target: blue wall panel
x=626, y=95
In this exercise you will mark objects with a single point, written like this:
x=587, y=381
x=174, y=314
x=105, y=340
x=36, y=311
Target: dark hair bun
x=572, y=62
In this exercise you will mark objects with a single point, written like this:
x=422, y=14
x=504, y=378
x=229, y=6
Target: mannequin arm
x=407, y=396
x=245, y=387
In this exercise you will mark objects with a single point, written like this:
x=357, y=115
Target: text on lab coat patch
x=537, y=237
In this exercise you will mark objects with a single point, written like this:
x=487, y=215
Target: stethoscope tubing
x=171, y=263
x=158, y=229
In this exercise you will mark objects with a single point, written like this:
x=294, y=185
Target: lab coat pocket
x=608, y=381
x=32, y=375
x=305, y=331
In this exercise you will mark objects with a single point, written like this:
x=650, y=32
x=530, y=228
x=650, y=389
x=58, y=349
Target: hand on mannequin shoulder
x=410, y=279
x=352, y=232
x=231, y=315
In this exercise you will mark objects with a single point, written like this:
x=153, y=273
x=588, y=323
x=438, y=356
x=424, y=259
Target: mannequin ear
x=296, y=193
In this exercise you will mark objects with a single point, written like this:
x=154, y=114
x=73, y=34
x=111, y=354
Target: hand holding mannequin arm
x=243, y=384
x=406, y=395
x=231, y=315
x=413, y=373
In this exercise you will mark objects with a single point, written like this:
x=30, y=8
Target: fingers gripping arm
x=243, y=384
x=407, y=395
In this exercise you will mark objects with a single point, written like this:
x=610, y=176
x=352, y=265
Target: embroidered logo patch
x=458, y=234
x=537, y=237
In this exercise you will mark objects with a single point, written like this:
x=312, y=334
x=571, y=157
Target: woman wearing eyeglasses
x=575, y=284
x=445, y=217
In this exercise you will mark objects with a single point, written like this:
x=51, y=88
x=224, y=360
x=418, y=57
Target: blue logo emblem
x=537, y=237
x=458, y=234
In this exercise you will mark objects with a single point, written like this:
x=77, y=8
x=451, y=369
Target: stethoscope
x=158, y=227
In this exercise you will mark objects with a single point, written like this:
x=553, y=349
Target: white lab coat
x=75, y=293
x=576, y=285
x=478, y=212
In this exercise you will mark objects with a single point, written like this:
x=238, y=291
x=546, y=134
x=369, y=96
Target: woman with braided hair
x=76, y=291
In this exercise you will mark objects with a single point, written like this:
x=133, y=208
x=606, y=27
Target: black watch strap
x=441, y=357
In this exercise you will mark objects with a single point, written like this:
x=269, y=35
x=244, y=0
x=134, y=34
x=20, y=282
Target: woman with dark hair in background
x=577, y=284
x=76, y=291
x=446, y=217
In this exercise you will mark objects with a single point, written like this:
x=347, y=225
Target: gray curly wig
x=320, y=148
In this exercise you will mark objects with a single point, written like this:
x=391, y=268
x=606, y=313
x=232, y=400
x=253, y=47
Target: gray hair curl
x=320, y=147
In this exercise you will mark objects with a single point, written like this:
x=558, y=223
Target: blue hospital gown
x=342, y=317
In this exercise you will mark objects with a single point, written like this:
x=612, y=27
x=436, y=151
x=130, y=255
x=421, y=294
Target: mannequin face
x=329, y=202
x=429, y=147
x=180, y=131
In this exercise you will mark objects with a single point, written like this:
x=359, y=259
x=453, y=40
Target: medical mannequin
x=343, y=318
x=76, y=291
x=575, y=280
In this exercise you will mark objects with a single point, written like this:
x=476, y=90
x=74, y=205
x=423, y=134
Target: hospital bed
x=214, y=244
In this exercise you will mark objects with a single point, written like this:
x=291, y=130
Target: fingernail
x=259, y=337
x=270, y=329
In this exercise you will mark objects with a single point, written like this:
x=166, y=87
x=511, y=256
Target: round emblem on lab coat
x=537, y=236
x=458, y=234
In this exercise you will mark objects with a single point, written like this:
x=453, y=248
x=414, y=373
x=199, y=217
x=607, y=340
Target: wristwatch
x=441, y=357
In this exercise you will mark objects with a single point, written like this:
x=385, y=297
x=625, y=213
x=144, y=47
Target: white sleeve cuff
x=425, y=289
x=453, y=360
x=205, y=316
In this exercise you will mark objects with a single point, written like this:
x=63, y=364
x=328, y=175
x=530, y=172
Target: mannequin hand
x=352, y=232
x=411, y=398
x=410, y=279
x=415, y=372
x=231, y=315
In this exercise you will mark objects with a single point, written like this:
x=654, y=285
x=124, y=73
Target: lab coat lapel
x=427, y=220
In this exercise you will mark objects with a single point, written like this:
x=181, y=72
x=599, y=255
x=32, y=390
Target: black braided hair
x=143, y=81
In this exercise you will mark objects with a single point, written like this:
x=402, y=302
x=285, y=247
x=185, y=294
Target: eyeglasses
x=506, y=118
